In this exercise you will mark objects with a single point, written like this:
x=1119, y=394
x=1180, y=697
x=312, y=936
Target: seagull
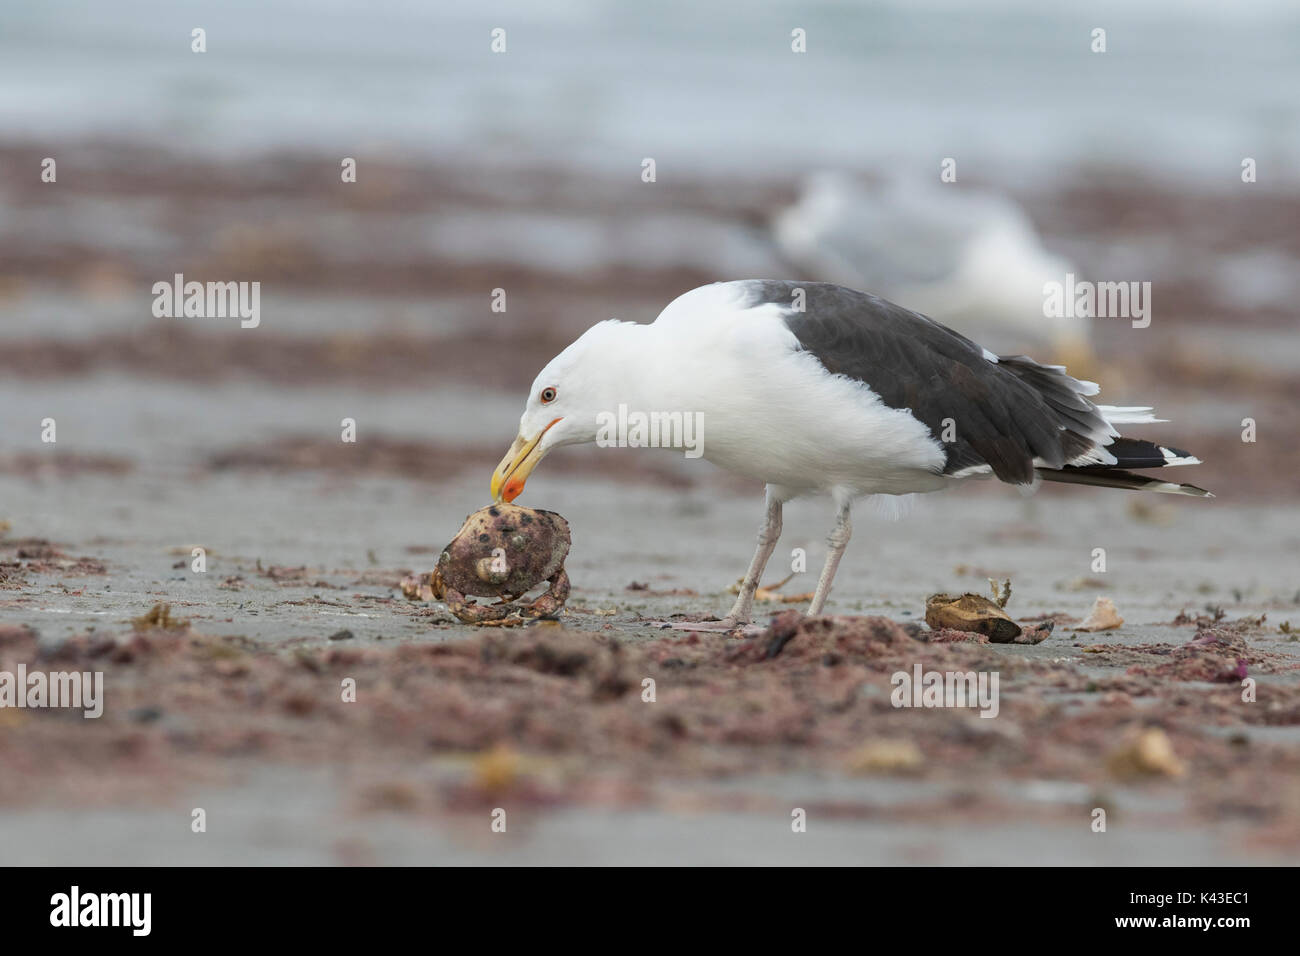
x=817, y=389
x=968, y=256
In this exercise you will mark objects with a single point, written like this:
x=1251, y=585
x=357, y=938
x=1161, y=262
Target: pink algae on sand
x=1212, y=656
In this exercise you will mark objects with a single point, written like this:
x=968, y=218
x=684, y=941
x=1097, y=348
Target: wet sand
x=175, y=435
x=239, y=711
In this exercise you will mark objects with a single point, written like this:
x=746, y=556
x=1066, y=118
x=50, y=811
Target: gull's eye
x=548, y=395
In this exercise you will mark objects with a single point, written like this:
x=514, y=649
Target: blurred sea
x=1010, y=88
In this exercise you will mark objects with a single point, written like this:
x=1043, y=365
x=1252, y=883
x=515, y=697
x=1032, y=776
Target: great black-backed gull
x=814, y=388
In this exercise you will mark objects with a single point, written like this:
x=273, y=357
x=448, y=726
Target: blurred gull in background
x=969, y=258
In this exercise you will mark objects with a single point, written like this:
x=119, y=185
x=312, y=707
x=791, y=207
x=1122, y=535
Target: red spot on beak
x=512, y=489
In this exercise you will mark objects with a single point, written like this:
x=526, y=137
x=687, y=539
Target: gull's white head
x=589, y=377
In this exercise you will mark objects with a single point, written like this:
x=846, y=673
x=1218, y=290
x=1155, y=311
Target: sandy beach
x=227, y=439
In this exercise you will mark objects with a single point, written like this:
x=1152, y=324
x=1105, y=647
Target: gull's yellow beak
x=519, y=462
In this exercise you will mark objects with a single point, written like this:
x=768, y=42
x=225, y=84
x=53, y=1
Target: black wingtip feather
x=1105, y=477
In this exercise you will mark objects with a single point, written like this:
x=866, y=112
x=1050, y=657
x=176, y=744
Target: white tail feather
x=1129, y=414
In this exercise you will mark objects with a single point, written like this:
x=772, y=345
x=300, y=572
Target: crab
x=504, y=551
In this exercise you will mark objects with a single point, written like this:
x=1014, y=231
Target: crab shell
x=504, y=551
x=973, y=613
